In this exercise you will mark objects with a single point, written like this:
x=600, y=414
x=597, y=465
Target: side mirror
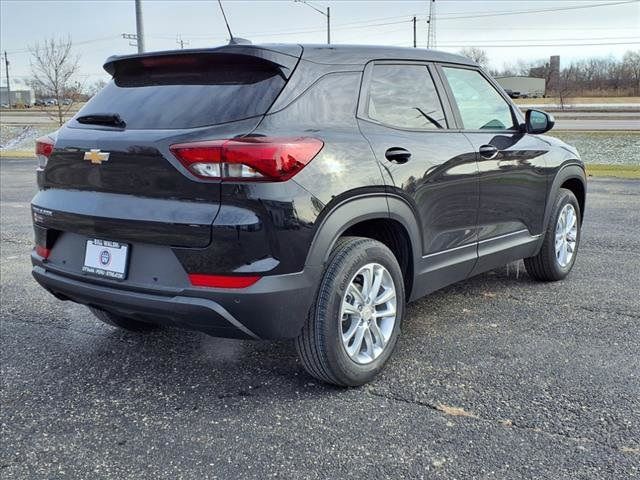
x=538, y=121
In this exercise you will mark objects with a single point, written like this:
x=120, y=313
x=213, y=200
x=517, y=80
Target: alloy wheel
x=368, y=313
x=566, y=235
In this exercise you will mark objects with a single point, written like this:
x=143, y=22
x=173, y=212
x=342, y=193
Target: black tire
x=320, y=345
x=122, y=322
x=545, y=266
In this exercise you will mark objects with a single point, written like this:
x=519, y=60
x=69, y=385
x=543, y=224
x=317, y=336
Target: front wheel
x=354, y=324
x=560, y=245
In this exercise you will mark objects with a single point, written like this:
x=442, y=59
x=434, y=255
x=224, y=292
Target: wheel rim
x=566, y=235
x=368, y=313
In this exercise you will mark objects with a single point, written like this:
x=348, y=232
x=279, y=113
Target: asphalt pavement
x=497, y=377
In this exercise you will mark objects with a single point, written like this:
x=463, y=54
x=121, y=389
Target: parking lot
x=495, y=377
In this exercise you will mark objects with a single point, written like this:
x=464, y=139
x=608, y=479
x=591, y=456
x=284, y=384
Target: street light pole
x=139, y=27
x=414, y=32
x=328, y=26
x=326, y=14
x=6, y=70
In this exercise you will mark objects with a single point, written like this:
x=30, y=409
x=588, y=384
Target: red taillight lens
x=222, y=281
x=44, y=147
x=42, y=251
x=251, y=158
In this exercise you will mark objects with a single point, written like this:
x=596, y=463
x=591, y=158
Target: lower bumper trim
x=196, y=311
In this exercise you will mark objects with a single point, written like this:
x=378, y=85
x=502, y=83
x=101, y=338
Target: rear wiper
x=106, y=119
x=428, y=117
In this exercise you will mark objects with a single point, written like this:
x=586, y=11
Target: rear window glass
x=187, y=91
x=404, y=96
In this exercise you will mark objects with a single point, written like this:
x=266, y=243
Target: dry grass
x=571, y=101
x=17, y=154
x=618, y=171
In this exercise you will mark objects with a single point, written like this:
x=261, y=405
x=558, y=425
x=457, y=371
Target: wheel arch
x=573, y=177
x=579, y=189
x=358, y=215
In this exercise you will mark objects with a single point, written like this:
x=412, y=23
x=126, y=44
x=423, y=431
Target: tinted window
x=480, y=105
x=188, y=91
x=404, y=96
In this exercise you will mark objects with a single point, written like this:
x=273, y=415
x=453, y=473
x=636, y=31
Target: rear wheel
x=354, y=324
x=560, y=246
x=121, y=322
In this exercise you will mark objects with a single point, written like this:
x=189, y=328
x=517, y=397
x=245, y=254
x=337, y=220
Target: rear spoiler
x=285, y=57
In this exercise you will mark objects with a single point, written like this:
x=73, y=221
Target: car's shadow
x=179, y=360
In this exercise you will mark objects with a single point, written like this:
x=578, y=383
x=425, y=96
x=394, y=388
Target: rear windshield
x=187, y=91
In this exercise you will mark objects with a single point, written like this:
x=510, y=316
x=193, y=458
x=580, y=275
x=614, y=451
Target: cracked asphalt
x=496, y=377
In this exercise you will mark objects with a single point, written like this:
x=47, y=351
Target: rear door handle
x=397, y=155
x=488, y=151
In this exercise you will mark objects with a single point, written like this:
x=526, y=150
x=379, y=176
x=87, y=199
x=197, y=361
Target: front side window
x=481, y=106
x=404, y=96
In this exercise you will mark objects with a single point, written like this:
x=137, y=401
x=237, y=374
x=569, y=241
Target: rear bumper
x=274, y=308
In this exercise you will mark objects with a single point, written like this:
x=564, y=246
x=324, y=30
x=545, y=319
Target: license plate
x=106, y=259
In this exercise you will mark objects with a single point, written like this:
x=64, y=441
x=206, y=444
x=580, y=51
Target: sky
x=507, y=30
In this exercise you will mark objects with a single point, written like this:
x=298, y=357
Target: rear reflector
x=221, y=281
x=249, y=158
x=44, y=147
x=43, y=252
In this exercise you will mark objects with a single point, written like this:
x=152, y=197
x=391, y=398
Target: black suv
x=294, y=191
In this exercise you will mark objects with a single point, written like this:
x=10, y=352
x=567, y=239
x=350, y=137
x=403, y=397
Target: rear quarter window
x=187, y=91
x=405, y=96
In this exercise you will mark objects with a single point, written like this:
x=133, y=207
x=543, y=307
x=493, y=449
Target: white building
x=20, y=95
x=527, y=86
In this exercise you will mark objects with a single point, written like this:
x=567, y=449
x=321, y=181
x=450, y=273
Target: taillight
x=44, y=147
x=251, y=158
x=42, y=251
x=222, y=281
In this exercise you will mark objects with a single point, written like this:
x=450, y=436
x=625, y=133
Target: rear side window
x=480, y=105
x=404, y=96
x=187, y=91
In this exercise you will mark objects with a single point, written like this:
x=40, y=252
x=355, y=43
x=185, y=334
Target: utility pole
x=431, y=36
x=326, y=14
x=139, y=26
x=131, y=36
x=181, y=42
x=6, y=71
x=328, y=26
x=414, y=32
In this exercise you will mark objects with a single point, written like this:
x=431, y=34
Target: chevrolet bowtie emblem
x=96, y=157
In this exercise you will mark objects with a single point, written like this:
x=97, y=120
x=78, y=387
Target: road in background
x=494, y=377
x=565, y=120
x=597, y=124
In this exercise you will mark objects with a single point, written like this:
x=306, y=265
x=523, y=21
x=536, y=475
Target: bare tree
x=563, y=89
x=477, y=55
x=96, y=87
x=53, y=67
x=593, y=76
x=631, y=69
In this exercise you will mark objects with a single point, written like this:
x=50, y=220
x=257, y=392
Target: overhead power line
x=550, y=40
x=504, y=45
x=453, y=16
x=75, y=44
x=377, y=22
